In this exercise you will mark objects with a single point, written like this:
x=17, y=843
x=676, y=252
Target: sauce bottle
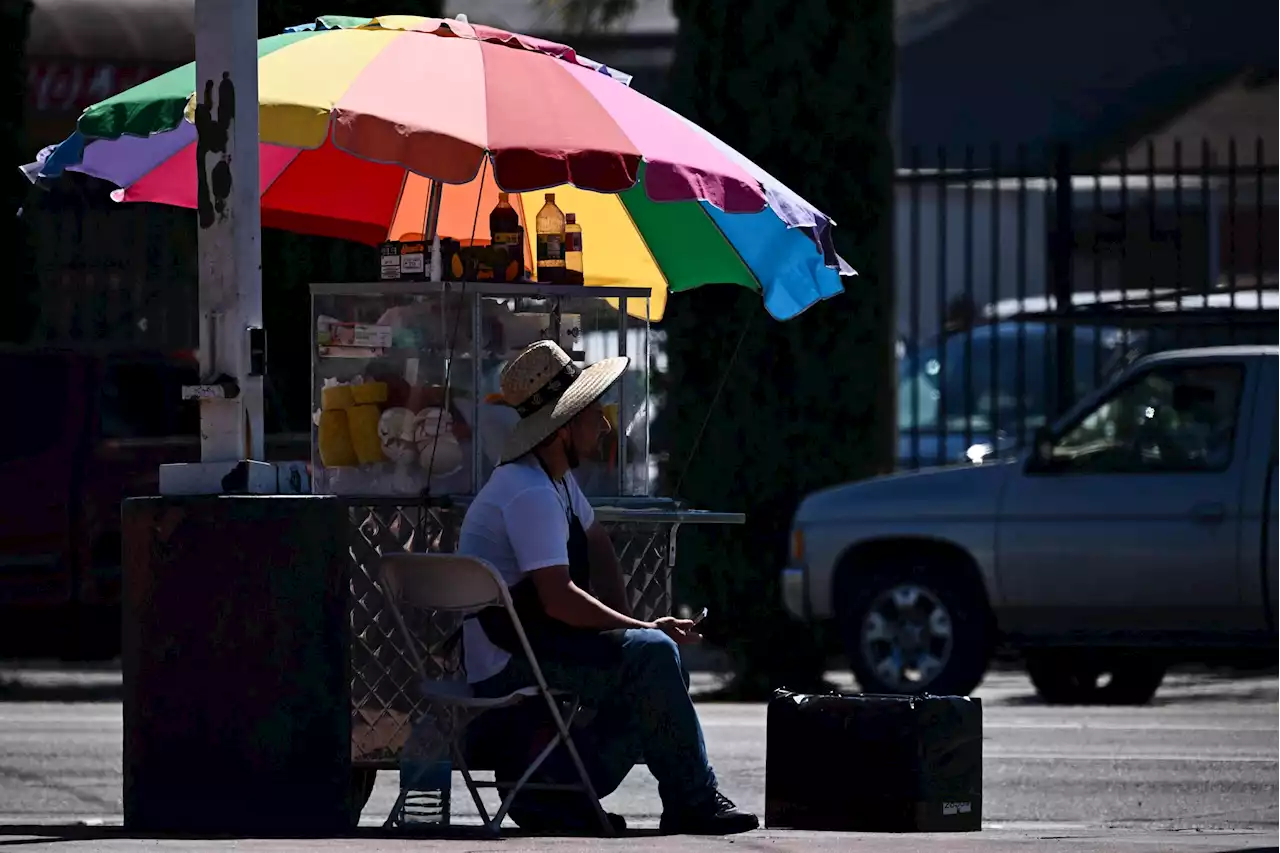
x=572, y=250
x=505, y=233
x=550, y=225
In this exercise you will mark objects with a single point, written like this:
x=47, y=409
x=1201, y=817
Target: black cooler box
x=865, y=763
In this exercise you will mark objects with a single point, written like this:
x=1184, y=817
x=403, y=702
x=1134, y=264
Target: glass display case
x=406, y=393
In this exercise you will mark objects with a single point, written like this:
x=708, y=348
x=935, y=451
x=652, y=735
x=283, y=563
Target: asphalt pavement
x=1195, y=771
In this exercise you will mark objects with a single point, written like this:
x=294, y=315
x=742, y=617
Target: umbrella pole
x=434, y=196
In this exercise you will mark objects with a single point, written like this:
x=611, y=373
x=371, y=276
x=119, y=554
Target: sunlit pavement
x=1196, y=770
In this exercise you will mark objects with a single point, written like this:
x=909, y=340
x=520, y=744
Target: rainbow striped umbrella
x=359, y=116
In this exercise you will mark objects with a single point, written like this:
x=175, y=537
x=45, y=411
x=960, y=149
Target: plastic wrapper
x=867, y=763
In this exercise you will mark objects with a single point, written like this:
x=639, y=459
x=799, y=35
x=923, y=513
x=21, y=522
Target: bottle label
x=573, y=241
x=506, y=238
x=412, y=264
x=413, y=259
x=390, y=261
x=550, y=248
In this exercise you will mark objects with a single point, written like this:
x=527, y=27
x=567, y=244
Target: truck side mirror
x=1041, y=458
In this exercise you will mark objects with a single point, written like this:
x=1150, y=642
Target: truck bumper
x=793, y=593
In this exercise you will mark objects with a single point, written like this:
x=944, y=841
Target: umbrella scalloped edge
x=456, y=28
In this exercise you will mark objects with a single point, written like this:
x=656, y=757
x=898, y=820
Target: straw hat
x=547, y=390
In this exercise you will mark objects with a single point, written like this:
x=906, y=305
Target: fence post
x=1062, y=247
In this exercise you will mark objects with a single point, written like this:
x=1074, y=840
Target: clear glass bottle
x=572, y=250
x=550, y=225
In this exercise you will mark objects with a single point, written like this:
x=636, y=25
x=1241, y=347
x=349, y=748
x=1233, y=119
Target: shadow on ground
x=13, y=690
x=1256, y=693
x=13, y=835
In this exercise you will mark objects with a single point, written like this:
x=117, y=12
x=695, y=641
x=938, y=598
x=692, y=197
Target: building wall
x=1088, y=73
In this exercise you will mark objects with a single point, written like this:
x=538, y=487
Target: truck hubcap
x=906, y=637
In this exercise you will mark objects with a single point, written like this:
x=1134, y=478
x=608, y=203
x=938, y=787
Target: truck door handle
x=1209, y=512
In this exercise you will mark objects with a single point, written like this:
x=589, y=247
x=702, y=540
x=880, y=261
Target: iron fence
x=1021, y=288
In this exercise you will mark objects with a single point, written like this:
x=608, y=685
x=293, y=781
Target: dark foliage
x=805, y=89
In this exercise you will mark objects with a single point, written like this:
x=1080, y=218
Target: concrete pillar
x=232, y=341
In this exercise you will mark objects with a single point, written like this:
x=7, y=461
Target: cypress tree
x=805, y=89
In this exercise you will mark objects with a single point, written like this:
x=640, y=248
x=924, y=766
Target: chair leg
x=524, y=777
x=605, y=825
x=471, y=785
x=588, y=788
x=396, y=816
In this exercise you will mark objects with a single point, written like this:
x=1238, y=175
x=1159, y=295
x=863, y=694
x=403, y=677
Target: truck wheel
x=1087, y=678
x=362, y=781
x=913, y=628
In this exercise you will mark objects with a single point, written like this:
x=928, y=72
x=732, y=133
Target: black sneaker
x=717, y=816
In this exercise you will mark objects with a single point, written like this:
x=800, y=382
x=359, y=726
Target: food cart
x=413, y=367
x=661, y=191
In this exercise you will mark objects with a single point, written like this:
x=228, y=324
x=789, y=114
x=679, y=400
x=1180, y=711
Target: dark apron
x=511, y=737
x=541, y=629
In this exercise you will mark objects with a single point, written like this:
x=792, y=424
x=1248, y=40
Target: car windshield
x=994, y=377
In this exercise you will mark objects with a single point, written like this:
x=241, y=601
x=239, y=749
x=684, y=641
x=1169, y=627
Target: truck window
x=1174, y=418
x=40, y=385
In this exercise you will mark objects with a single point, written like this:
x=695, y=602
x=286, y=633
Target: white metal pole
x=230, y=260
x=230, y=230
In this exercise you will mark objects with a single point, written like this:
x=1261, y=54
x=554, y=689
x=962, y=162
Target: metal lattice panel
x=383, y=707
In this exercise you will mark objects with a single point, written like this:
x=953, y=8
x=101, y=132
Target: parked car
x=1138, y=531
x=994, y=384
x=81, y=432
x=991, y=384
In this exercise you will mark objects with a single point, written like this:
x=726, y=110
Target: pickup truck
x=1136, y=532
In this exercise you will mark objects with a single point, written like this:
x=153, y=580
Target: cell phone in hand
x=702, y=614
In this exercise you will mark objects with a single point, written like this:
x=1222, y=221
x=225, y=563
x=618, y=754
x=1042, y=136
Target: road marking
x=1128, y=727
x=713, y=720
x=55, y=720
x=1039, y=826
x=1074, y=756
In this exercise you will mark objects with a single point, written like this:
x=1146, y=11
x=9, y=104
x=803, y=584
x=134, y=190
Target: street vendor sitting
x=532, y=522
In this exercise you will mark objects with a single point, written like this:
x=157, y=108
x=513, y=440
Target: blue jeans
x=633, y=680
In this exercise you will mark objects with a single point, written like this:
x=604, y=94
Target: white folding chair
x=449, y=582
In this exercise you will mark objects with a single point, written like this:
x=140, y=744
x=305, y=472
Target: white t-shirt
x=518, y=523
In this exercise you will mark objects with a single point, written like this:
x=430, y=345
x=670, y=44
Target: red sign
x=70, y=86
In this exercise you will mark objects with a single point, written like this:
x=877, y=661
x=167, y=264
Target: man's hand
x=683, y=631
